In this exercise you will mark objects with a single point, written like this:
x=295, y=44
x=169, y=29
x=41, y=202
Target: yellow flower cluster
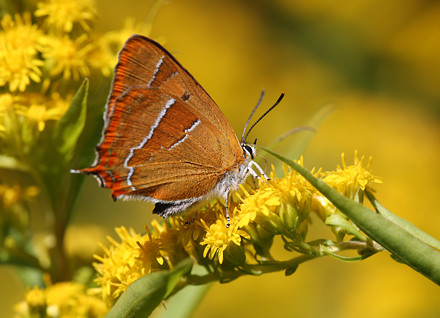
x=282, y=202
x=280, y=206
x=12, y=195
x=61, y=300
x=62, y=15
x=137, y=255
x=42, y=54
x=348, y=181
x=30, y=51
x=20, y=43
x=14, y=200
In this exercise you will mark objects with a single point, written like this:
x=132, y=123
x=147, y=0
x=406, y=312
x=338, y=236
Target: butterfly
x=164, y=138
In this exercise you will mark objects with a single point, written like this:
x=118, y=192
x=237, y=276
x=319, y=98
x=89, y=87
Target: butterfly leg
x=193, y=219
x=228, y=220
x=253, y=173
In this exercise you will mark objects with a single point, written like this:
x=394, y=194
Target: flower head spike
x=68, y=57
x=21, y=34
x=122, y=264
x=348, y=179
x=280, y=204
x=41, y=109
x=192, y=229
x=63, y=14
x=64, y=299
x=20, y=41
x=168, y=240
x=218, y=236
x=10, y=196
x=150, y=252
x=36, y=300
x=18, y=68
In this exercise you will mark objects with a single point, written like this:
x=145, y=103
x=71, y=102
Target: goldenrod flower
x=60, y=294
x=323, y=207
x=11, y=195
x=67, y=56
x=90, y=307
x=18, y=68
x=348, y=179
x=192, y=229
x=167, y=238
x=7, y=105
x=218, y=236
x=101, y=56
x=150, y=253
x=125, y=262
x=6, y=101
x=41, y=109
x=36, y=297
x=22, y=34
x=19, y=42
x=62, y=14
x=280, y=204
x=65, y=299
x=34, y=304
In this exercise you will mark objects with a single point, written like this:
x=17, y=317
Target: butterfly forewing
x=155, y=109
x=144, y=62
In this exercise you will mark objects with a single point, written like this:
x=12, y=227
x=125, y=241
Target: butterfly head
x=248, y=151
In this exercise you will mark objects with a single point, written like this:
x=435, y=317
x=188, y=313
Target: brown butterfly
x=164, y=138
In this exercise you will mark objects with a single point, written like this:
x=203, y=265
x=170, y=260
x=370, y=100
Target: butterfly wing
x=164, y=139
x=144, y=62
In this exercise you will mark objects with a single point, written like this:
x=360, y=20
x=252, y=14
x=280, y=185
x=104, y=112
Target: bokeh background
x=377, y=62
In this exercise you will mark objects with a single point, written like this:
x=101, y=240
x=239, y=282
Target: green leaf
x=183, y=305
x=404, y=224
x=146, y=293
x=314, y=121
x=409, y=249
x=70, y=126
x=303, y=140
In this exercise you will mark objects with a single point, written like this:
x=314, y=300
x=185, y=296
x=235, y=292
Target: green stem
x=355, y=245
x=60, y=268
x=279, y=266
x=256, y=269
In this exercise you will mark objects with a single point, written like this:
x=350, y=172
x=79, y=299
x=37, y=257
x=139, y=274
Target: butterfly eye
x=249, y=150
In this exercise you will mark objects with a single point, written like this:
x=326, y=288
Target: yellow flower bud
x=235, y=253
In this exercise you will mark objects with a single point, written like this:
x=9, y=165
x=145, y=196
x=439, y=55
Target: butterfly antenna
x=262, y=116
x=249, y=119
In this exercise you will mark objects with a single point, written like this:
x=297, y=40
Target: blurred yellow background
x=378, y=62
